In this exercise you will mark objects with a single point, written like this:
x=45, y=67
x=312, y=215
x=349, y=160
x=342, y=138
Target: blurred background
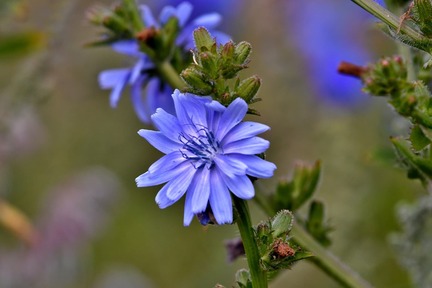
x=68, y=161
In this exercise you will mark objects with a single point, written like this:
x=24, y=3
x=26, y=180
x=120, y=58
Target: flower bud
x=248, y=88
x=197, y=81
x=282, y=223
x=203, y=40
x=242, y=52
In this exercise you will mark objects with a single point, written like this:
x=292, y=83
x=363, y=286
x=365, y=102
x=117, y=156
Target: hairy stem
x=388, y=18
x=170, y=75
x=327, y=262
x=258, y=276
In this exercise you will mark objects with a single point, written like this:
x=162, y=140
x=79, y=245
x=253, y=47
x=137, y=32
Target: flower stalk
x=388, y=18
x=258, y=276
x=327, y=262
x=170, y=75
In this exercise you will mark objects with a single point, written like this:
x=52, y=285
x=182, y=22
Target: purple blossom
x=319, y=30
x=209, y=152
x=158, y=93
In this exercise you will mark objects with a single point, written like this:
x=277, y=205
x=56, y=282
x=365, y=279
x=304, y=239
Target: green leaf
x=293, y=194
x=243, y=279
x=418, y=139
x=417, y=167
x=315, y=223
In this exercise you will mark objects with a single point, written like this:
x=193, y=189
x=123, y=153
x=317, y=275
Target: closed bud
x=208, y=63
x=196, y=81
x=248, y=88
x=262, y=230
x=282, y=223
x=227, y=52
x=203, y=39
x=242, y=51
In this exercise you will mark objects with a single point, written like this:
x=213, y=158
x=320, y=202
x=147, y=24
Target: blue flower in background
x=158, y=93
x=327, y=32
x=209, y=152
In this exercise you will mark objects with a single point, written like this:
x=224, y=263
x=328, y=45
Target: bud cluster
x=386, y=77
x=412, y=99
x=216, y=67
x=276, y=248
x=121, y=21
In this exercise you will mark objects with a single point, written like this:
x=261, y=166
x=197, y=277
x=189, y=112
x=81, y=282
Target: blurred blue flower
x=141, y=75
x=327, y=32
x=209, y=152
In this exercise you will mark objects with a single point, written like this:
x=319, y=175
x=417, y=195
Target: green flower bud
x=208, y=62
x=282, y=223
x=242, y=51
x=227, y=52
x=203, y=40
x=248, y=88
x=197, y=81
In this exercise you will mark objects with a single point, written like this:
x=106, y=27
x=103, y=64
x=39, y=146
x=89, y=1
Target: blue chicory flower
x=209, y=152
x=318, y=31
x=139, y=75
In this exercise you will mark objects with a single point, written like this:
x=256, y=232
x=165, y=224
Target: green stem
x=259, y=277
x=170, y=75
x=326, y=261
x=388, y=18
x=323, y=258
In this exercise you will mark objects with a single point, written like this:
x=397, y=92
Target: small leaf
x=418, y=139
x=315, y=223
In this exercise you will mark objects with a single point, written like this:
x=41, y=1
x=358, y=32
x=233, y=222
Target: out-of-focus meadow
x=69, y=161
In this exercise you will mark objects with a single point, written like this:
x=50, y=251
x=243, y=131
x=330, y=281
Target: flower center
x=200, y=148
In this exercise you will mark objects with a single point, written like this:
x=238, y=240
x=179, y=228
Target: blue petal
x=200, y=190
x=167, y=124
x=188, y=214
x=184, y=11
x=240, y=185
x=167, y=162
x=166, y=13
x=220, y=199
x=110, y=78
x=257, y=167
x=233, y=115
x=152, y=179
x=160, y=141
x=148, y=17
x=249, y=146
x=244, y=130
x=191, y=113
x=159, y=96
x=161, y=198
x=116, y=79
x=137, y=68
x=230, y=166
x=221, y=38
x=128, y=47
x=138, y=101
x=209, y=21
x=179, y=184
